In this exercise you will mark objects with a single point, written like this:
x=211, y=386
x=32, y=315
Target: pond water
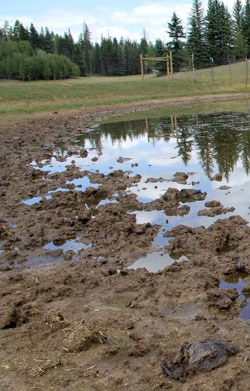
x=35, y=200
x=201, y=145
x=67, y=245
x=155, y=262
x=214, y=150
x=237, y=281
x=44, y=260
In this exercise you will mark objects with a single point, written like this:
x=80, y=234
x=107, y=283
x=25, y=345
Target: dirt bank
x=88, y=322
x=20, y=120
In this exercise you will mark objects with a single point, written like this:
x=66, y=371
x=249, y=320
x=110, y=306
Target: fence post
x=212, y=68
x=230, y=69
x=142, y=69
x=194, y=79
x=171, y=64
x=167, y=65
x=246, y=72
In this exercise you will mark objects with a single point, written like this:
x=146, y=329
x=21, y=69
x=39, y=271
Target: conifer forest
x=212, y=37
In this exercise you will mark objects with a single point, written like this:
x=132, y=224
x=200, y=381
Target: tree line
x=212, y=38
x=216, y=37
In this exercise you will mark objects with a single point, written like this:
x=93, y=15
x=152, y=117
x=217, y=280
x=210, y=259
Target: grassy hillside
x=43, y=96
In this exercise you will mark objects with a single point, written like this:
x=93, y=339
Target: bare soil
x=92, y=323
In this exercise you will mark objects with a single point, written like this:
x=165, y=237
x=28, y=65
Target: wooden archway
x=168, y=59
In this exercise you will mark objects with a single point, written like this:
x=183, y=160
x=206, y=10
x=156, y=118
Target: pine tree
x=16, y=29
x=106, y=50
x=196, y=42
x=219, y=32
x=246, y=25
x=121, y=58
x=87, y=49
x=177, y=34
x=160, y=51
x=34, y=37
x=65, y=45
x=47, y=41
x=78, y=58
x=97, y=59
x=144, y=47
x=4, y=31
x=238, y=31
x=132, y=55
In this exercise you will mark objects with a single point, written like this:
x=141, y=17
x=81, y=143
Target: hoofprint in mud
x=88, y=322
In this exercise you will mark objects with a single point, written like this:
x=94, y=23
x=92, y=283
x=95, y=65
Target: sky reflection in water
x=201, y=145
x=236, y=281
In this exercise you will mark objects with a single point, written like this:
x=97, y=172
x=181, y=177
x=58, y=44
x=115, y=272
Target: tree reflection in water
x=220, y=140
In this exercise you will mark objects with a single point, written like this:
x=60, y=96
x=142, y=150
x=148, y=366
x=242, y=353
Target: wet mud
x=76, y=312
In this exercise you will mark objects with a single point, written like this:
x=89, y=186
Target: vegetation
x=196, y=41
x=214, y=38
x=46, y=96
x=176, y=32
x=21, y=62
x=26, y=54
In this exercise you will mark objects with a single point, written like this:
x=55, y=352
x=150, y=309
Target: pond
x=213, y=150
x=236, y=281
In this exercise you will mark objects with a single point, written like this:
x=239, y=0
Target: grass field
x=17, y=98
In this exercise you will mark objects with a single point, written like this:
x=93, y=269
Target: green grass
x=239, y=105
x=44, y=96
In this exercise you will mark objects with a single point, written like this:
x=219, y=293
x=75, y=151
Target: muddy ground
x=89, y=322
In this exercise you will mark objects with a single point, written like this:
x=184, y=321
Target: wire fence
x=233, y=73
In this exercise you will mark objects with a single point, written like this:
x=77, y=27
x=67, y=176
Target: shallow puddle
x=213, y=150
x=58, y=190
x=44, y=260
x=35, y=200
x=82, y=183
x=69, y=245
x=237, y=281
x=107, y=201
x=202, y=146
x=155, y=262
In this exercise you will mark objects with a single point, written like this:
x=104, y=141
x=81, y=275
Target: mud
x=201, y=356
x=88, y=322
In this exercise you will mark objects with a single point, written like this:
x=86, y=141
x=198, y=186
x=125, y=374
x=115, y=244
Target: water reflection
x=155, y=262
x=35, y=200
x=221, y=141
x=213, y=149
x=237, y=281
x=68, y=245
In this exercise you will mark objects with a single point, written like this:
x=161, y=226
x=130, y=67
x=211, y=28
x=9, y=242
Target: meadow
x=86, y=320
x=22, y=98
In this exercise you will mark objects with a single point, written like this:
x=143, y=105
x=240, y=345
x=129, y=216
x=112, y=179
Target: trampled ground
x=92, y=323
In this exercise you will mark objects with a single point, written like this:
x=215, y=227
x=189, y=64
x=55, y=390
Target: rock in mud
x=177, y=211
x=215, y=211
x=188, y=195
x=223, y=299
x=213, y=204
x=4, y=231
x=84, y=216
x=123, y=159
x=202, y=356
x=83, y=153
x=180, y=177
x=246, y=289
x=171, y=194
